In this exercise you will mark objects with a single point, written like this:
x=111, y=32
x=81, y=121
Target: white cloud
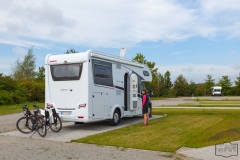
x=5, y=64
x=197, y=72
x=114, y=23
x=236, y=65
x=176, y=53
x=19, y=50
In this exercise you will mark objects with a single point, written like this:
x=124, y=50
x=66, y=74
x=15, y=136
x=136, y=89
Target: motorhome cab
x=94, y=86
x=216, y=90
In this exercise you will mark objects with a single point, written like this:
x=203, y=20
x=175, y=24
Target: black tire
x=116, y=118
x=41, y=127
x=24, y=125
x=149, y=111
x=56, y=127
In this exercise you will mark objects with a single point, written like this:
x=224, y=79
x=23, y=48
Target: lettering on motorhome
x=62, y=90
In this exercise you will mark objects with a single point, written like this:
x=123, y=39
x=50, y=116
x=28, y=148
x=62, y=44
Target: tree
x=26, y=68
x=226, y=84
x=192, y=87
x=140, y=58
x=209, y=82
x=41, y=73
x=167, y=82
x=200, y=90
x=237, y=86
x=181, y=86
x=161, y=85
x=70, y=51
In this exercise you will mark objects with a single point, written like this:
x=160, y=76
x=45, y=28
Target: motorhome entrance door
x=133, y=92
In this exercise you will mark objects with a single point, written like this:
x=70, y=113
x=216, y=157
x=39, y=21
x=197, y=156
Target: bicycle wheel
x=24, y=125
x=56, y=127
x=41, y=127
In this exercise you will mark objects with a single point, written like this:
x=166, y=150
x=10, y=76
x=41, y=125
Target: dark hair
x=145, y=91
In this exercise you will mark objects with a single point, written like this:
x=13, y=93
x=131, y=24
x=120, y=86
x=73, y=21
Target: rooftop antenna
x=123, y=51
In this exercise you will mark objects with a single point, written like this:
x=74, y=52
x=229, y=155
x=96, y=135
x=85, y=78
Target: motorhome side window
x=145, y=73
x=66, y=72
x=102, y=73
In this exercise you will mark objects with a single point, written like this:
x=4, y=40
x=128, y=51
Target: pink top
x=144, y=99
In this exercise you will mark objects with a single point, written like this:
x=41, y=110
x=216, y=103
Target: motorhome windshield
x=217, y=90
x=66, y=72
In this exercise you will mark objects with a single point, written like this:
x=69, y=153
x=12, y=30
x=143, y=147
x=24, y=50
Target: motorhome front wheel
x=116, y=118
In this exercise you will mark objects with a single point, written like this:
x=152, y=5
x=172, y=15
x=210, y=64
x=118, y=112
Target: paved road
x=8, y=122
x=187, y=100
x=230, y=151
x=173, y=101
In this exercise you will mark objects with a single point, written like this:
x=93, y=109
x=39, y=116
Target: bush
x=15, y=92
x=6, y=97
x=171, y=93
x=35, y=89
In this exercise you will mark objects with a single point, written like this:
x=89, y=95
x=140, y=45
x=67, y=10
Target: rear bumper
x=77, y=115
x=216, y=93
x=73, y=119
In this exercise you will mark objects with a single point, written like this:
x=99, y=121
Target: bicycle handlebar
x=25, y=107
x=36, y=107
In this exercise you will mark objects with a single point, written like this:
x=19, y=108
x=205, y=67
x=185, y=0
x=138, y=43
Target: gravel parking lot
x=16, y=148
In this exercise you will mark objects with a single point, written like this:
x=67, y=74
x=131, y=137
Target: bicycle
x=32, y=122
x=52, y=119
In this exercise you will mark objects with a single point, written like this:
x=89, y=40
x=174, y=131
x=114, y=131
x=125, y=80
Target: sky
x=189, y=37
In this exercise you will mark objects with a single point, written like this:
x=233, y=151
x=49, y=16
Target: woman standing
x=145, y=107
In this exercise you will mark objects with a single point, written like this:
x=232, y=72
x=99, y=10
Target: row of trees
x=181, y=86
x=162, y=84
x=27, y=84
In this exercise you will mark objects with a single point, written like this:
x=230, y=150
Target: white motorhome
x=216, y=91
x=93, y=86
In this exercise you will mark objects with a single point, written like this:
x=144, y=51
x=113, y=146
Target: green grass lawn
x=182, y=127
x=208, y=105
x=213, y=103
x=9, y=109
x=219, y=102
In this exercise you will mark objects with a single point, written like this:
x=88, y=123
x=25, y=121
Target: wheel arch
x=117, y=107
